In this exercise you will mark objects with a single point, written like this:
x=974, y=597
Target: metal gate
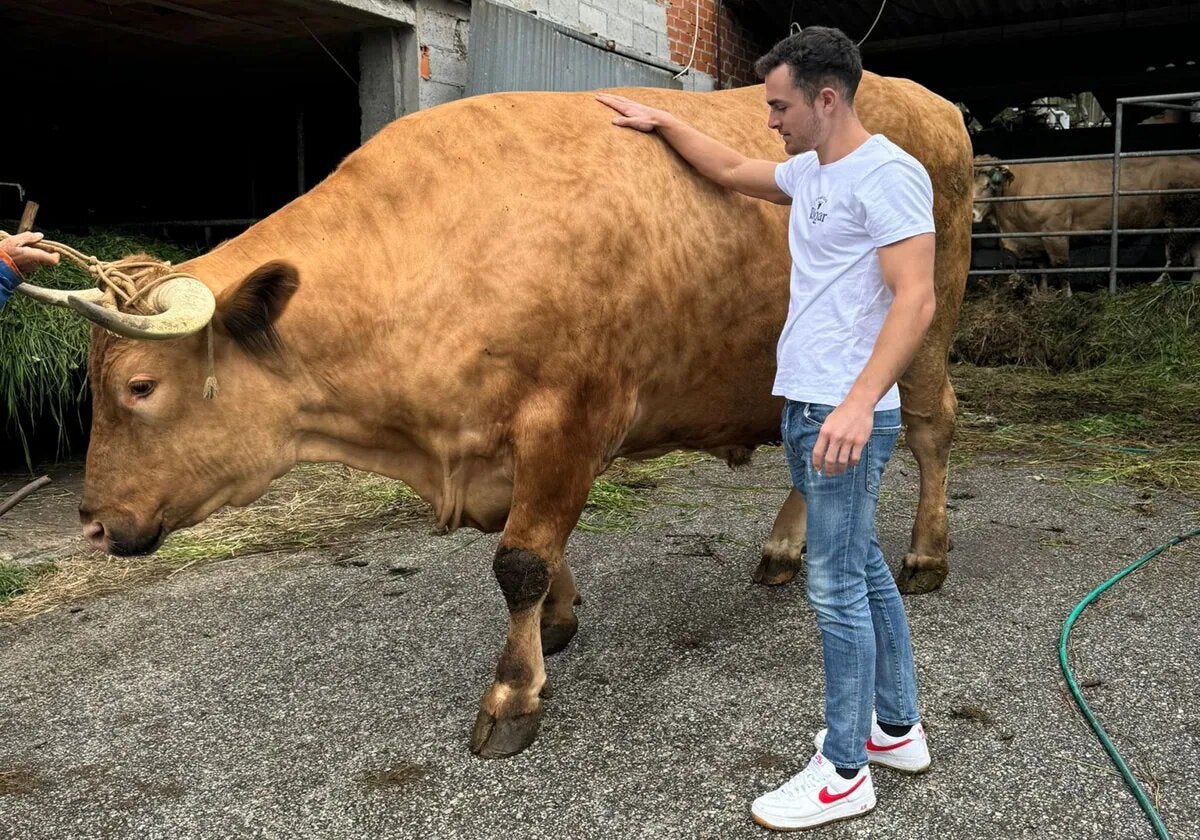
x=1173, y=101
x=513, y=50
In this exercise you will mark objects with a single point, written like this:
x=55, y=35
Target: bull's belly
x=704, y=427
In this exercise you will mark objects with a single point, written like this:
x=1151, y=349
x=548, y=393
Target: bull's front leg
x=511, y=709
x=552, y=478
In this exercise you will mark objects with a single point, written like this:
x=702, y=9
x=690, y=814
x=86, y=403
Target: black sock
x=895, y=731
x=847, y=772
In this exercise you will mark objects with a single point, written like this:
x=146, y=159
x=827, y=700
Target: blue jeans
x=864, y=632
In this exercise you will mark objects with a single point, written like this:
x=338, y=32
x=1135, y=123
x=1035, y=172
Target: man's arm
x=907, y=269
x=713, y=159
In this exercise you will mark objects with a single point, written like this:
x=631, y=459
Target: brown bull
x=491, y=300
x=994, y=179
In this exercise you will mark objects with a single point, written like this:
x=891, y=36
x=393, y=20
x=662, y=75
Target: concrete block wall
x=443, y=33
x=662, y=30
x=637, y=25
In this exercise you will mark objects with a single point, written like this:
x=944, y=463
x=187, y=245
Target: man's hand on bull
x=20, y=249
x=843, y=436
x=634, y=114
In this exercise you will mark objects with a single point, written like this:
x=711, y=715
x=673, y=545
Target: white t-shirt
x=841, y=212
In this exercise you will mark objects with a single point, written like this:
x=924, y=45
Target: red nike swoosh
x=873, y=747
x=828, y=798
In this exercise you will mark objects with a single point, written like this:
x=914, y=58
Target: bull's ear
x=247, y=311
x=1006, y=174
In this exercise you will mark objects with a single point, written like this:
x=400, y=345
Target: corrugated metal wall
x=512, y=50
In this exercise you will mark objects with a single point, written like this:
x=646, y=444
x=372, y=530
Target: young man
x=862, y=297
x=19, y=257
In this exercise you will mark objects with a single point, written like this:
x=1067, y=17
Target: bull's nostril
x=94, y=534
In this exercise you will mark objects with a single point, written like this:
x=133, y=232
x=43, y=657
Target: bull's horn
x=58, y=297
x=184, y=306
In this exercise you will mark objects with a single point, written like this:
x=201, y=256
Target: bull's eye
x=141, y=388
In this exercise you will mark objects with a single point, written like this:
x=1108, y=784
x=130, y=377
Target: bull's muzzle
x=112, y=535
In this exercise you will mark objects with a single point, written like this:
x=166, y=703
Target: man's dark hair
x=818, y=56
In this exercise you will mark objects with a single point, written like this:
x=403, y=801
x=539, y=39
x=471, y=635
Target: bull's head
x=991, y=178
x=161, y=456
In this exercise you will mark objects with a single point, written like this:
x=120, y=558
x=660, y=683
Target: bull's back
x=576, y=248
x=535, y=232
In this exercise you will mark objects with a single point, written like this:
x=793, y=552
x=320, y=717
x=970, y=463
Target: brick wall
x=738, y=50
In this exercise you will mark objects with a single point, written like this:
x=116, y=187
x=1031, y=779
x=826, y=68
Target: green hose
x=1143, y=800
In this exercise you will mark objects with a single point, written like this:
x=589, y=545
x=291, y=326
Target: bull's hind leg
x=782, y=553
x=558, y=611
x=929, y=429
x=551, y=481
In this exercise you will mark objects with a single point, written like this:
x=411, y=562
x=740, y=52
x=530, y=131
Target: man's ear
x=247, y=310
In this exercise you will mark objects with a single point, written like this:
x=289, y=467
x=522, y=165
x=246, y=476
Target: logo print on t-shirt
x=816, y=214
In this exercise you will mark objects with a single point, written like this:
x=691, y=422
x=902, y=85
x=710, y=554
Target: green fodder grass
x=16, y=579
x=43, y=349
x=619, y=495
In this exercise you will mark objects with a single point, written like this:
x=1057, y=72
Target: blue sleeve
x=897, y=201
x=9, y=278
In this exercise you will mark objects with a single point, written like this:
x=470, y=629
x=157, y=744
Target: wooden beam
x=200, y=13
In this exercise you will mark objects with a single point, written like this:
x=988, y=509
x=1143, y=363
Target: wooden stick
x=31, y=208
x=13, y=500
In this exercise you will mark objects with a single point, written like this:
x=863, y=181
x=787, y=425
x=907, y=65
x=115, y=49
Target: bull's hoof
x=555, y=637
x=920, y=574
x=777, y=568
x=503, y=737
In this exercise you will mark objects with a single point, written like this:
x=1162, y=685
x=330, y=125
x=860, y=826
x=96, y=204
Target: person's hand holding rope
x=19, y=255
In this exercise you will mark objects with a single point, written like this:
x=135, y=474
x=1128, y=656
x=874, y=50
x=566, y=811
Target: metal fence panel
x=513, y=50
x=1115, y=230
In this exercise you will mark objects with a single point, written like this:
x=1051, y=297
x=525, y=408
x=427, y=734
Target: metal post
x=1116, y=198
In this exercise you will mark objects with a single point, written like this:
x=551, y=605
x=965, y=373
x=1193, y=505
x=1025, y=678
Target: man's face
x=801, y=124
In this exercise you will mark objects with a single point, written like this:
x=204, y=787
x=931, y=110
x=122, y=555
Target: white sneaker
x=815, y=796
x=908, y=753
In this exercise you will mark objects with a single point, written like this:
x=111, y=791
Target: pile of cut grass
x=43, y=349
x=1154, y=330
x=315, y=505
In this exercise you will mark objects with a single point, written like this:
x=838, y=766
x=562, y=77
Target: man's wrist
x=665, y=120
x=859, y=398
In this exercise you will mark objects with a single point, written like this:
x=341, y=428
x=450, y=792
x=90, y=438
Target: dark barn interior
x=142, y=113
